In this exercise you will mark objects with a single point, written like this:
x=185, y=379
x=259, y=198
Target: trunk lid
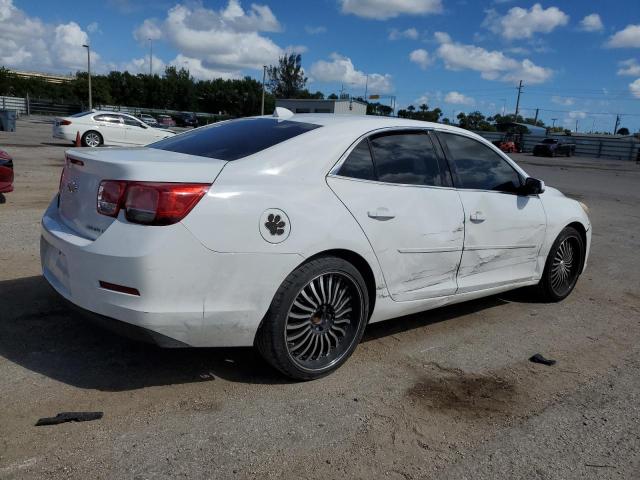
x=86, y=168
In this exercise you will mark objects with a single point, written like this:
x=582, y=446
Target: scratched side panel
x=419, y=246
x=502, y=247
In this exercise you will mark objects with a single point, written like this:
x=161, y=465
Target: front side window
x=131, y=121
x=234, y=139
x=479, y=167
x=406, y=158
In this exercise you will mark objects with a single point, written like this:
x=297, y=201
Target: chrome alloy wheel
x=92, y=139
x=323, y=320
x=565, y=266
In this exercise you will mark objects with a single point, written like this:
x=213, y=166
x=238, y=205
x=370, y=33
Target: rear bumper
x=64, y=134
x=188, y=293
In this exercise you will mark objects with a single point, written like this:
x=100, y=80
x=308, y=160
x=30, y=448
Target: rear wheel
x=91, y=139
x=563, y=266
x=315, y=320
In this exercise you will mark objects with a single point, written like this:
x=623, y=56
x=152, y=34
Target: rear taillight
x=149, y=203
x=65, y=122
x=110, y=195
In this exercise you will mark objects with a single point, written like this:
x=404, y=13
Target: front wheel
x=563, y=266
x=315, y=320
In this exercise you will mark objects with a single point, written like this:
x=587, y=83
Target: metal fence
x=14, y=103
x=597, y=146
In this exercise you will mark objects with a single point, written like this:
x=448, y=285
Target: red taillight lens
x=149, y=203
x=110, y=195
x=6, y=174
x=65, y=122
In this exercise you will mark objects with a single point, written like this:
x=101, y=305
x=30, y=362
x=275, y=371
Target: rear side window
x=479, y=167
x=406, y=158
x=359, y=163
x=234, y=139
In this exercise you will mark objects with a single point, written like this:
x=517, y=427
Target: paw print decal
x=275, y=225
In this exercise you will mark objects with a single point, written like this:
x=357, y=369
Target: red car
x=6, y=172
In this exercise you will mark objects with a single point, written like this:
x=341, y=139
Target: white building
x=341, y=106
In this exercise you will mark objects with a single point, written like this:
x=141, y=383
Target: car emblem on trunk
x=72, y=186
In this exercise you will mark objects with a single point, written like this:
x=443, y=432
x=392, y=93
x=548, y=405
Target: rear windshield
x=81, y=114
x=234, y=139
x=549, y=140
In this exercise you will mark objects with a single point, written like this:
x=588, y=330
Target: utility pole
x=554, y=122
x=366, y=87
x=150, y=57
x=89, y=73
x=615, y=129
x=264, y=76
x=535, y=120
x=576, y=125
x=518, y=101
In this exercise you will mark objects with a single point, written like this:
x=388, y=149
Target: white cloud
x=315, y=30
x=421, y=58
x=577, y=115
x=218, y=43
x=522, y=23
x=141, y=65
x=341, y=69
x=198, y=70
x=30, y=44
x=457, y=98
x=629, y=67
x=634, y=87
x=591, y=23
x=94, y=27
x=629, y=37
x=565, y=101
x=383, y=9
x=410, y=33
x=149, y=29
x=492, y=65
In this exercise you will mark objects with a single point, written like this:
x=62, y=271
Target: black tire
x=318, y=285
x=88, y=136
x=558, y=279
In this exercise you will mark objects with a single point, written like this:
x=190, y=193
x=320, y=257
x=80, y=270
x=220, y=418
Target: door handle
x=381, y=214
x=477, y=217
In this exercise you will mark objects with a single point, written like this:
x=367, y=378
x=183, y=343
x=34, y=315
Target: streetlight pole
x=264, y=76
x=89, y=73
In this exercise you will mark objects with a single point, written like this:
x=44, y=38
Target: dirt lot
x=444, y=394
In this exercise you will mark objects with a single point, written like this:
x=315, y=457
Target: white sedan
x=97, y=128
x=293, y=232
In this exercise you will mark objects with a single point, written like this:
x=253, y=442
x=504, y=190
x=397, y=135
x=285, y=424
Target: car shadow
x=422, y=319
x=40, y=333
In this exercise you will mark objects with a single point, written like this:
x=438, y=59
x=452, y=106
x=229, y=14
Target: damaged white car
x=293, y=232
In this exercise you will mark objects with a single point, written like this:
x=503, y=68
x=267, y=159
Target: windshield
x=549, y=140
x=235, y=139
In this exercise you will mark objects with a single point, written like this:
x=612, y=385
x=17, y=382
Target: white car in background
x=149, y=120
x=98, y=128
x=293, y=233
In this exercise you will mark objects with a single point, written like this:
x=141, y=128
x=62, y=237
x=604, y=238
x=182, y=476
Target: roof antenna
x=283, y=113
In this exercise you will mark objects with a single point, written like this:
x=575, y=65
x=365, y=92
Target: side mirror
x=532, y=186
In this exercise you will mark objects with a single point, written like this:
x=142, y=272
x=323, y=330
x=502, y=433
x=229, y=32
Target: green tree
x=287, y=80
x=623, y=131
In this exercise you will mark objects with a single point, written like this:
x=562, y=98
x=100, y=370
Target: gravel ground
x=442, y=394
